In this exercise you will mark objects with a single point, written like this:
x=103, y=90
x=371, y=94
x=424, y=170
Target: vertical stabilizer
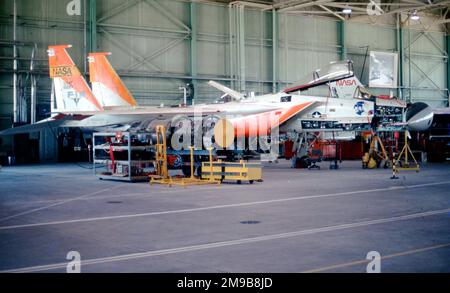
x=71, y=90
x=106, y=83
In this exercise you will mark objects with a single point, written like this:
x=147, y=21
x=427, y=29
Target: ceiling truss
x=330, y=8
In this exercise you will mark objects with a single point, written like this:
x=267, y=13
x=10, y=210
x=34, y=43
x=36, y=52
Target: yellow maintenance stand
x=212, y=172
x=404, y=164
x=161, y=166
x=376, y=154
x=162, y=170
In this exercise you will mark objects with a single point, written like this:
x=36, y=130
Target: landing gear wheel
x=305, y=162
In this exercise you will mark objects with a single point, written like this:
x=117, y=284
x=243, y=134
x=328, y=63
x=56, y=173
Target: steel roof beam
x=304, y=5
x=332, y=12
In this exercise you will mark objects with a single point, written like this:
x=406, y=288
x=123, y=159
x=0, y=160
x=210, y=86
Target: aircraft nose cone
x=419, y=117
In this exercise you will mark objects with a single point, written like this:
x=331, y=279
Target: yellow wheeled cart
x=236, y=171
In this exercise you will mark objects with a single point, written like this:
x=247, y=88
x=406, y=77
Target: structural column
x=241, y=42
x=401, y=58
x=193, y=48
x=274, y=51
x=341, y=39
x=231, y=43
x=33, y=86
x=15, y=96
x=448, y=63
x=92, y=25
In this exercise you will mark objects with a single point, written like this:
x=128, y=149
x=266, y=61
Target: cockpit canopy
x=332, y=72
x=226, y=98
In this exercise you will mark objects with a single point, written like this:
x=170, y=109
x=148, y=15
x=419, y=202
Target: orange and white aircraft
x=107, y=86
x=110, y=104
x=72, y=91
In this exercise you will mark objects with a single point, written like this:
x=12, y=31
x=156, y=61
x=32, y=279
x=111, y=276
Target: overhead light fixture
x=347, y=10
x=414, y=15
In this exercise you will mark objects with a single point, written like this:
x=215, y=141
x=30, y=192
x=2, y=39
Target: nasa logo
x=359, y=107
x=316, y=115
x=64, y=70
x=61, y=71
x=346, y=82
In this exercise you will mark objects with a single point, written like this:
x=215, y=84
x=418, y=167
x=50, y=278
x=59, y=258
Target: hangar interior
x=297, y=219
x=250, y=46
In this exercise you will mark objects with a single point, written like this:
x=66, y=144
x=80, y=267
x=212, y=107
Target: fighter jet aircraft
x=110, y=105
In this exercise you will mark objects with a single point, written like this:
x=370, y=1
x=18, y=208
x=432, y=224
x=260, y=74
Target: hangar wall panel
x=425, y=68
x=150, y=45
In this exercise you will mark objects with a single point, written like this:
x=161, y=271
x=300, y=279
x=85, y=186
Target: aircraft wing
x=41, y=125
x=145, y=110
x=122, y=116
x=204, y=109
x=94, y=121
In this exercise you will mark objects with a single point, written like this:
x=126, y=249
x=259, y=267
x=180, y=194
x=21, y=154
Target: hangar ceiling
x=335, y=8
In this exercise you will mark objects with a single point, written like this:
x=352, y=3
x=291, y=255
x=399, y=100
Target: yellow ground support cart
x=402, y=162
x=237, y=171
x=162, y=171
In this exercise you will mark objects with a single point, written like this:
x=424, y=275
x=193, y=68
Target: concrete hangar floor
x=295, y=221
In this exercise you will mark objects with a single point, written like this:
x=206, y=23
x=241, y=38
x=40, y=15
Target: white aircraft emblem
x=316, y=115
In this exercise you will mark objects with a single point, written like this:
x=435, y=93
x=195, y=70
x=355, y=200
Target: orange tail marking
x=261, y=124
x=101, y=71
x=62, y=66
